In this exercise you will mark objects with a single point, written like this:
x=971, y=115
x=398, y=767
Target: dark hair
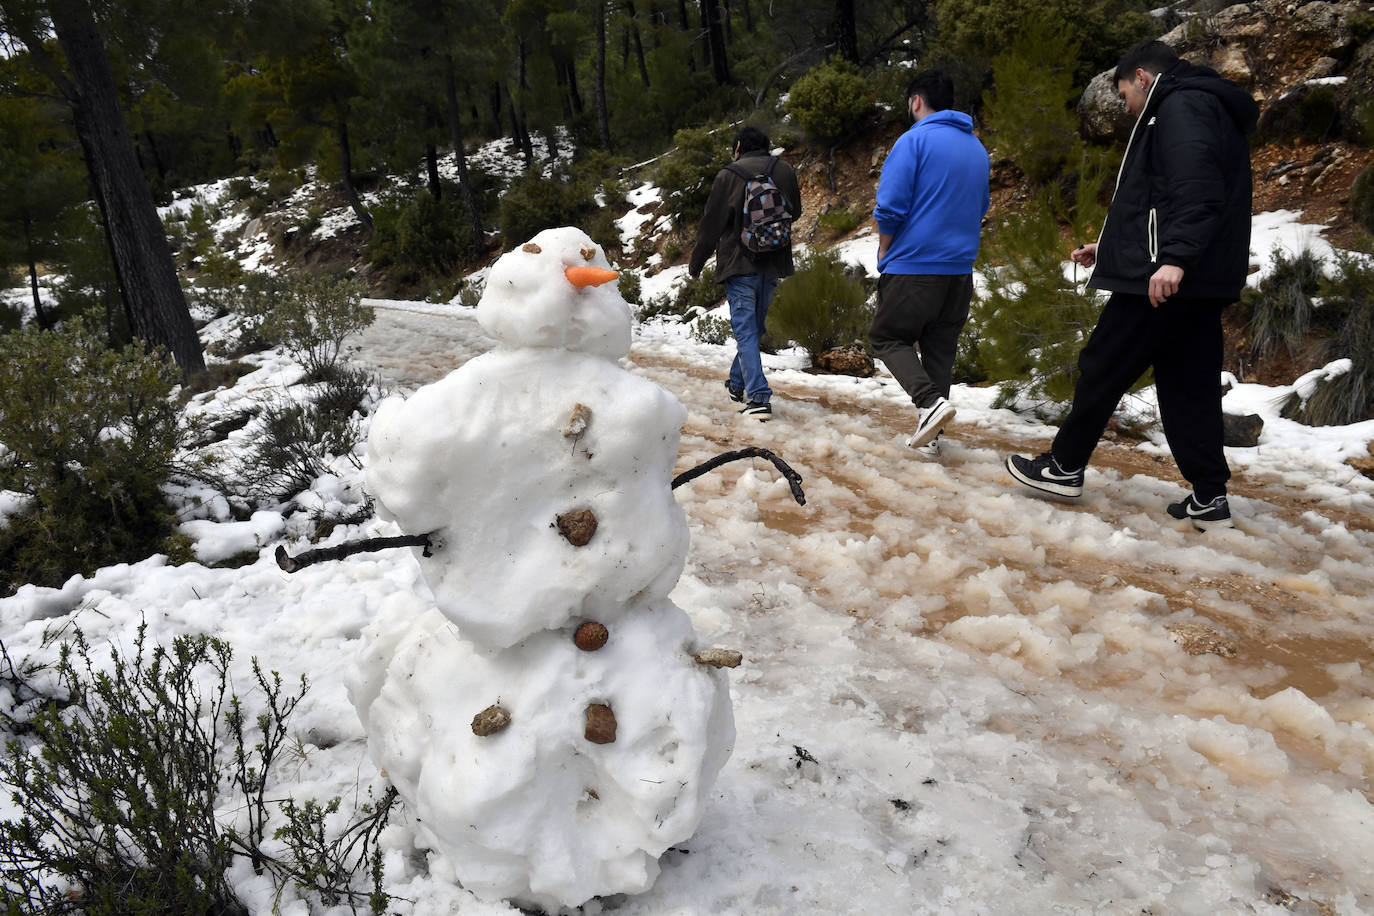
x=751, y=139
x=934, y=86
x=1151, y=56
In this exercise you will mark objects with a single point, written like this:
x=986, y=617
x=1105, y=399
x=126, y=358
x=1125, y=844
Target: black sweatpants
x=1182, y=340
x=925, y=310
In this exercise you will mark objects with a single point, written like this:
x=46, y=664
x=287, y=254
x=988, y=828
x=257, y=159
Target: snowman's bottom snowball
x=537, y=813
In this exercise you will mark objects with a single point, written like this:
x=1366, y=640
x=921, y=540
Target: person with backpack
x=932, y=196
x=747, y=225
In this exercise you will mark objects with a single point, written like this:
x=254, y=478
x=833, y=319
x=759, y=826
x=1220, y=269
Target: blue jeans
x=749, y=296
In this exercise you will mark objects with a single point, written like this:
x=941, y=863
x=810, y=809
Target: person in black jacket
x=1174, y=251
x=750, y=278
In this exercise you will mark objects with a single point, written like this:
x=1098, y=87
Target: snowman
x=547, y=719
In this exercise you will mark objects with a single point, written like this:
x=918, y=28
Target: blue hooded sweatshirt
x=932, y=197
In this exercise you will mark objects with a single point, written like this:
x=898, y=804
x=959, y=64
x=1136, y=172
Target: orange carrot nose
x=582, y=277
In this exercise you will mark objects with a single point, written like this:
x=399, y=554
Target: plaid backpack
x=767, y=221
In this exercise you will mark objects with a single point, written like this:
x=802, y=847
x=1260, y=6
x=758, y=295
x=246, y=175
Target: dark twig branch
x=793, y=478
x=369, y=545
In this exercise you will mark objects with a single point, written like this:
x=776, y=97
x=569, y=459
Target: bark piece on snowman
x=549, y=812
x=486, y=460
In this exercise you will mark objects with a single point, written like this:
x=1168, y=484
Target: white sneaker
x=933, y=421
x=931, y=450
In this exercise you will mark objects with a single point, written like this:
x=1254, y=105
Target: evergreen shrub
x=1033, y=319
x=294, y=439
x=712, y=329
x=122, y=777
x=830, y=100
x=822, y=305
x=534, y=203
x=1347, y=316
x=1280, y=308
x=1029, y=110
x=1104, y=29
x=421, y=237
x=687, y=172
x=697, y=297
x=839, y=220
x=89, y=434
x=312, y=316
x=630, y=287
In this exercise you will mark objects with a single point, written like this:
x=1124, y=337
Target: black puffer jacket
x=723, y=219
x=1183, y=194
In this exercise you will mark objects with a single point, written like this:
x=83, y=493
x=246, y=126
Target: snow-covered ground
x=957, y=697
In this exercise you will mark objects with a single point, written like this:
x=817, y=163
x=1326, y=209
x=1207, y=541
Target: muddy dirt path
x=1284, y=601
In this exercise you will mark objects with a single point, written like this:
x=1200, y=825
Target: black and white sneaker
x=1044, y=473
x=931, y=449
x=758, y=410
x=933, y=420
x=736, y=394
x=1205, y=517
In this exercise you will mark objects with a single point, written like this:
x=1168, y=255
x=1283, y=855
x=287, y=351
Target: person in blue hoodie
x=931, y=200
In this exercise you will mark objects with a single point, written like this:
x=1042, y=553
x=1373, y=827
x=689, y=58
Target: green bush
x=1032, y=322
x=1104, y=29
x=1362, y=198
x=118, y=811
x=422, y=237
x=1347, y=314
x=90, y=434
x=11, y=318
x=312, y=316
x=712, y=329
x=831, y=100
x=687, y=172
x=822, y=305
x=1280, y=307
x=294, y=439
x=630, y=287
x=699, y=296
x=839, y=220
x=1308, y=113
x=1029, y=110
x=88, y=283
x=534, y=203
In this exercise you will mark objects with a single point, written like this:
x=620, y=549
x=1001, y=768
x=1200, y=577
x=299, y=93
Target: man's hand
x=1085, y=254
x=1164, y=283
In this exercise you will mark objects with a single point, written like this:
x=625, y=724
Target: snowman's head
x=540, y=295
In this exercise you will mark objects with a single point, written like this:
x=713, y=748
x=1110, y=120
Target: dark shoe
x=933, y=420
x=1215, y=514
x=736, y=394
x=1044, y=473
x=758, y=410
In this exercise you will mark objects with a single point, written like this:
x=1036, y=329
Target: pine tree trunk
x=845, y=34
x=687, y=27
x=715, y=40
x=602, y=116
x=436, y=187
x=43, y=321
x=455, y=126
x=150, y=288
x=517, y=128
x=346, y=163
x=639, y=44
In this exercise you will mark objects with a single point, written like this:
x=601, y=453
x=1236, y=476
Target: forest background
x=310, y=108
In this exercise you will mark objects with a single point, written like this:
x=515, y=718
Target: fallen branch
x=793, y=478
x=369, y=545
